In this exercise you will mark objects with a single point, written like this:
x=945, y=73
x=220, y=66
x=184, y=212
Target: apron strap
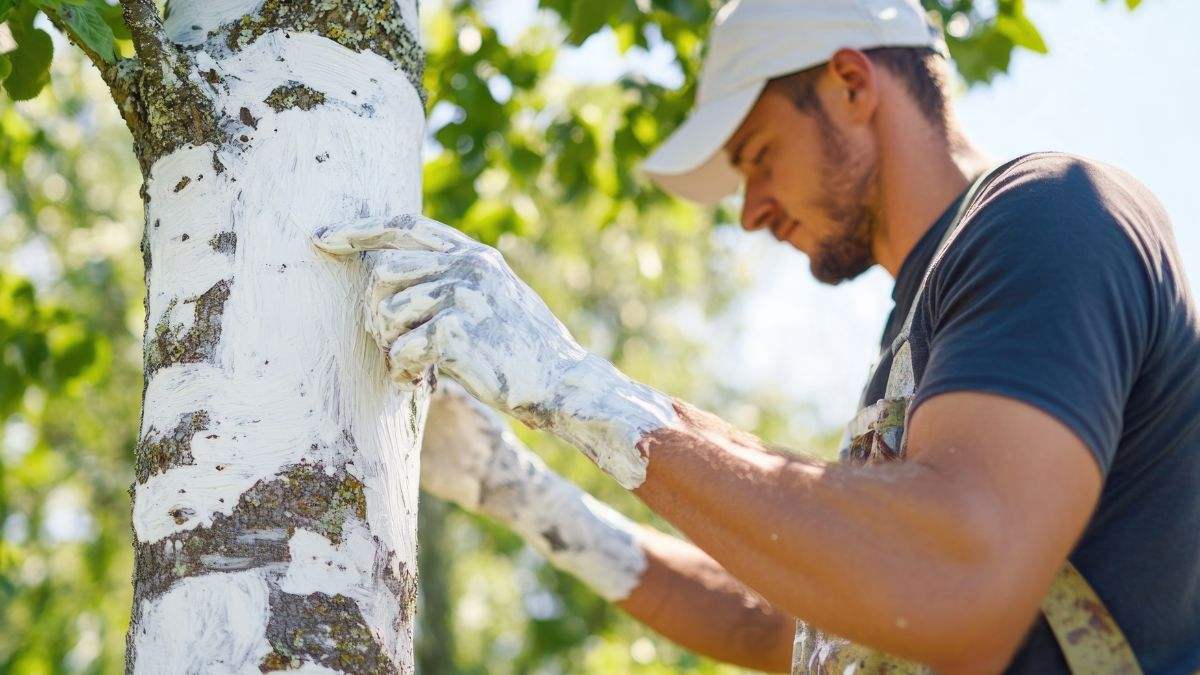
x=1088, y=635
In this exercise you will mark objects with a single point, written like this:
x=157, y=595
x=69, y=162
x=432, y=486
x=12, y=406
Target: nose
x=758, y=210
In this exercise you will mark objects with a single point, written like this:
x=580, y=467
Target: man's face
x=809, y=180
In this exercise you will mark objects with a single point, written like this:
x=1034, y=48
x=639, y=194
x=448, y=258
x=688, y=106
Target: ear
x=855, y=83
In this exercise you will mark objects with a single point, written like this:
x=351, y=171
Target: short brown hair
x=924, y=72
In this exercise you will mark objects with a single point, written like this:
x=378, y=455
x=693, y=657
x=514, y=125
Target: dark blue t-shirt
x=1065, y=290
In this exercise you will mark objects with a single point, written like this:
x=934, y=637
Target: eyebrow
x=736, y=159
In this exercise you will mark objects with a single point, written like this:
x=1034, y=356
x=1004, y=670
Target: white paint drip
x=293, y=370
x=224, y=621
x=484, y=327
x=470, y=457
x=189, y=23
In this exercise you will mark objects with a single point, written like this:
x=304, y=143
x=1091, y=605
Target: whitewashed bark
x=276, y=498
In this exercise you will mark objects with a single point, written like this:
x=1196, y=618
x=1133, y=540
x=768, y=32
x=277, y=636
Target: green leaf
x=87, y=23
x=6, y=7
x=1019, y=29
x=5, y=66
x=1132, y=4
x=115, y=19
x=31, y=59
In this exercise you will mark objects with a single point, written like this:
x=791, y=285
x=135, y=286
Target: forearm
x=872, y=553
x=667, y=584
x=687, y=597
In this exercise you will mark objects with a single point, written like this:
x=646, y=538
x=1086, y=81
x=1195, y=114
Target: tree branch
x=149, y=38
x=118, y=75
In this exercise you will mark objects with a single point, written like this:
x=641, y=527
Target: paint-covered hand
x=463, y=440
x=439, y=299
x=470, y=457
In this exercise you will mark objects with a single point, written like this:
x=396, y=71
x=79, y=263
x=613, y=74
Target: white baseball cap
x=753, y=41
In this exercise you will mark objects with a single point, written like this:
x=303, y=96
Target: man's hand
x=459, y=447
x=440, y=299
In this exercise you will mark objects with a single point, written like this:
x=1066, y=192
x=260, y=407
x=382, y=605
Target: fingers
x=411, y=307
x=414, y=354
x=406, y=232
x=398, y=270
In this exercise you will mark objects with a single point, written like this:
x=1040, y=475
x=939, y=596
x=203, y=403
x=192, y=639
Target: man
x=1040, y=378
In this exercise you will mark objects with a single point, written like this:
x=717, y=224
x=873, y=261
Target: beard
x=847, y=184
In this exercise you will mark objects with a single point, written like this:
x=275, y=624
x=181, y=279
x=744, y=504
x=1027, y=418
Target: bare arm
x=942, y=559
x=666, y=583
x=687, y=597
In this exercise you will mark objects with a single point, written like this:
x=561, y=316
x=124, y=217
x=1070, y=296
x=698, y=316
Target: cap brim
x=691, y=163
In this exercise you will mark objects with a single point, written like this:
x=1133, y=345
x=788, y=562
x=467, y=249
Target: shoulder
x=1057, y=217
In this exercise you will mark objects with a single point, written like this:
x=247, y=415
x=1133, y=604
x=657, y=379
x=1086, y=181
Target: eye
x=758, y=157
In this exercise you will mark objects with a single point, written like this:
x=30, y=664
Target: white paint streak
x=470, y=457
x=606, y=415
x=190, y=22
x=214, y=623
x=350, y=568
x=476, y=321
x=293, y=373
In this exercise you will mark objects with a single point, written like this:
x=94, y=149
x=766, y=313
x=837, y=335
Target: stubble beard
x=848, y=182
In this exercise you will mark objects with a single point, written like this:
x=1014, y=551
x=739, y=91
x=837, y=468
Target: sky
x=1117, y=86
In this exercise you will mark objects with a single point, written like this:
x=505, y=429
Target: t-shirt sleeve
x=1045, y=299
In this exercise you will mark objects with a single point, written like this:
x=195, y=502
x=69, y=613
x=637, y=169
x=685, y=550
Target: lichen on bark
x=361, y=25
x=294, y=95
x=224, y=242
x=256, y=532
x=160, y=451
x=165, y=110
x=324, y=629
x=170, y=344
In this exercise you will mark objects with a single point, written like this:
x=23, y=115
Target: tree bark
x=275, y=500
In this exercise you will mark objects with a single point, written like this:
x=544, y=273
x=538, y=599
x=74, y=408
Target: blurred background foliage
x=520, y=156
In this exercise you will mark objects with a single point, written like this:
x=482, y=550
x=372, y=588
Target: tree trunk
x=276, y=496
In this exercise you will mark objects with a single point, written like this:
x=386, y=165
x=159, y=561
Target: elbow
x=975, y=607
x=977, y=627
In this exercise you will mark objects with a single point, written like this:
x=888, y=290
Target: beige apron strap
x=1090, y=639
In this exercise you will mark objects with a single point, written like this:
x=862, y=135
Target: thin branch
x=117, y=75
x=149, y=38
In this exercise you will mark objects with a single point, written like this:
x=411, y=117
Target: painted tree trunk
x=275, y=500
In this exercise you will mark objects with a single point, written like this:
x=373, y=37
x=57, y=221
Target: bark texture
x=275, y=499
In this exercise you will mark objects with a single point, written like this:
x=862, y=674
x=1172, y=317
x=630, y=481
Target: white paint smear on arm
x=470, y=457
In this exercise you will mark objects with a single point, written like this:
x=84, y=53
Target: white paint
x=189, y=23
x=293, y=370
x=408, y=13
x=350, y=568
x=224, y=621
x=470, y=457
x=480, y=324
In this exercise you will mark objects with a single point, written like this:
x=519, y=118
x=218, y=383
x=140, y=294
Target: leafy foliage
x=25, y=70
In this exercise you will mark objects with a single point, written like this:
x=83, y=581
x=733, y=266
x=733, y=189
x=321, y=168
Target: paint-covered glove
x=439, y=299
x=470, y=457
